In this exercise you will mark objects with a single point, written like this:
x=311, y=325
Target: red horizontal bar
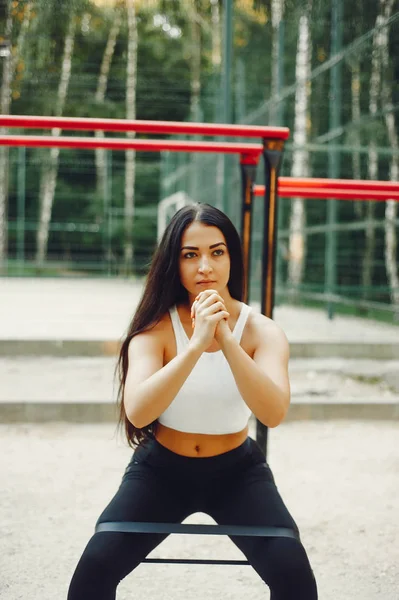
x=331, y=193
x=164, y=127
x=249, y=159
x=39, y=141
x=340, y=194
x=346, y=184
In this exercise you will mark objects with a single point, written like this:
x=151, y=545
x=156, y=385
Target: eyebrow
x=210, y=247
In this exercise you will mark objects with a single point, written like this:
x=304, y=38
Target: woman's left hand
x=222, y=331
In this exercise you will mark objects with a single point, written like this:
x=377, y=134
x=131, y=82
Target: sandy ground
x=340, y=480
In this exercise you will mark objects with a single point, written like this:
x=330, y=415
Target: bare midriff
x=199, y=445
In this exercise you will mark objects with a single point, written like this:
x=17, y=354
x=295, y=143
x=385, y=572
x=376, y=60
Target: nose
x=204, y=266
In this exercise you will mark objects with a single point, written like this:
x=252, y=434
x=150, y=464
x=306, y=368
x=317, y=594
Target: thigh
x=144, y=495
x=110, y=556
x=251, y=497
x=282, y=562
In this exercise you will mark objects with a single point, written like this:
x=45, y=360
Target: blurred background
x=327, y=70
x=78, y=229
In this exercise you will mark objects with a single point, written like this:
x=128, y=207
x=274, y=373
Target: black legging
x=234, y=488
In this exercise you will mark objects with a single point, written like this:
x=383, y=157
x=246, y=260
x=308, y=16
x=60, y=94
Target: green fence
x=347, y=136
x=352, y=128
x=86, y=230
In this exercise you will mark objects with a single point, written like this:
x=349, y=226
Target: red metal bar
x=160, y=127
x=338, y=193
x=249, y=159
x=128, y=144
x=346, y=184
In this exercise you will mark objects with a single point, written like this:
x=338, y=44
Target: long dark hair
x=163, y=290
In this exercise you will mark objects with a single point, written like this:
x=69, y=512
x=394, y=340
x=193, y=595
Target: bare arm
x=151, y=387
x=262, y=381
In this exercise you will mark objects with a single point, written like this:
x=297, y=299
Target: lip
x=204, y=282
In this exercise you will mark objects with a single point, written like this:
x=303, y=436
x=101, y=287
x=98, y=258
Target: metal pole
x=272, y=153
x=335, y=105
x=248, y=173
x=21, y=199
x=109, y=205
x=226, y=87
x=280, y=119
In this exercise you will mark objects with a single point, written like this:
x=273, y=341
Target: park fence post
x=248, y=165
x=272, y=154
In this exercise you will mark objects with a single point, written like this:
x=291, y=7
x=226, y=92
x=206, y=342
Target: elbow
x=273, y=420
x=132, y=409
x=272, y=424
x=280, y=415
x=133, y=420
x=137, y=418
x=133, y=415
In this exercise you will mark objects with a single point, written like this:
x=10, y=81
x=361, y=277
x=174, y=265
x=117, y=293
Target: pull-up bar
x=161, y=127
x=58, y=141
x=343, y=189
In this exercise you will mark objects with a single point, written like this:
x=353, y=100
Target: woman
x=195, y=363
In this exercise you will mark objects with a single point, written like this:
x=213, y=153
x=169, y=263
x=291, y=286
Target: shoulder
x=155, y=337
x=265, y=331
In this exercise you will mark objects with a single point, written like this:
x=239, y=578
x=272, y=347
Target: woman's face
x=204, y=261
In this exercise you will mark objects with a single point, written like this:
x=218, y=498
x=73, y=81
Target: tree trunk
x=375, y=87
x=21, y=39
x=216, y=35
x=100, y=153
x=195, y=83
x=300, y=159
x=131, y=83
x=49, y=175
x=277, y=17
x=5, y=102
x=355, y=135
x=391, y=207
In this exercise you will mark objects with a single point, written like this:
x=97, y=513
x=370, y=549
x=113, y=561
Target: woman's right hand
x=207, y=311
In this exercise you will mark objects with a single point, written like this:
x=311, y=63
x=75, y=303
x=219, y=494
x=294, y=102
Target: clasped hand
x=209, y=319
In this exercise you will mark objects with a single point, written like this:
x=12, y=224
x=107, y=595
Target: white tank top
x=209, y=400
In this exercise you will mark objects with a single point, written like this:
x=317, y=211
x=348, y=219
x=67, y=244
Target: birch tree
x=12, y=61
x=300, y=158
x=277, y=17
x=49, y=175
x=5, y=102
x=130, y=156
x=355, y=137
x=374, y=96
x=391, y=207
x=100, y=153
x=216, y=34
x=195, y=52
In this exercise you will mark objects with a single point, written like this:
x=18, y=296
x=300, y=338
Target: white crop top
x=209, y=400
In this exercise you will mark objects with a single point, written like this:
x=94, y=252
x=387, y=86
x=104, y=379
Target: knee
x=284, y=565
x=99, y=564
x=288, y=557
x=96, y=557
